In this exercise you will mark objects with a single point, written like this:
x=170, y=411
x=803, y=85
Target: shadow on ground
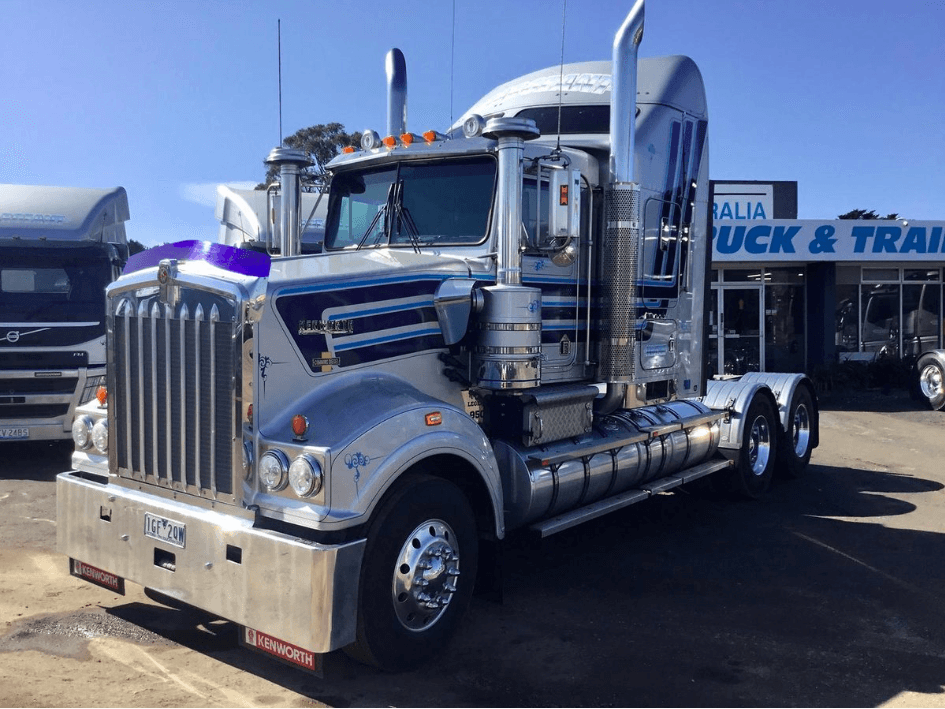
x=805, y=598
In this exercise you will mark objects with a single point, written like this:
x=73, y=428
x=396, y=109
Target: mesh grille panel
x=619, y=271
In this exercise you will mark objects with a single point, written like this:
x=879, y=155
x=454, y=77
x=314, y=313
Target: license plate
x=165, y=530
x=14, y=433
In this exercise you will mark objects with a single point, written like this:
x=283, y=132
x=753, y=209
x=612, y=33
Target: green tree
x=321, y=143
x=866, y=214
x=135, y=247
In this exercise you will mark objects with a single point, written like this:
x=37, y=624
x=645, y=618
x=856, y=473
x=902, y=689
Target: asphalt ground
x=827, y=592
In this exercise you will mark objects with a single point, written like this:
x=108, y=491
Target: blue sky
x=169, y=99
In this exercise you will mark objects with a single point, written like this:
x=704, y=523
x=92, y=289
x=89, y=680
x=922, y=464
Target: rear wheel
x=931, y=380
x=796, y=446
x=754, y=467
x=417, y=575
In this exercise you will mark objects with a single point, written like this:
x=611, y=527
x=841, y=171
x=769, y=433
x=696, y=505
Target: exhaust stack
x=396, y=67
x=623, y=225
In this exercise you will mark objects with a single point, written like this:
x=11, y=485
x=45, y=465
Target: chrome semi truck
x=505, y=331
x=59, y=248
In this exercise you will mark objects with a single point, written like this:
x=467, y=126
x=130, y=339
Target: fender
x=734, y=395
x=373, y=428
x=737, y=394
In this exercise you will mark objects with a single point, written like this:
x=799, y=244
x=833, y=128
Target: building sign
x=743, y=201
x=838, y=240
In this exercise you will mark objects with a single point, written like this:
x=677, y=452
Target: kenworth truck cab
x=59, y=248
x=505, y=331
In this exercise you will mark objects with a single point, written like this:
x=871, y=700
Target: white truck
x=506, y=330
x=59, y=248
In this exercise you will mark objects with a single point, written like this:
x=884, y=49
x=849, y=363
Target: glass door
x=739, y=346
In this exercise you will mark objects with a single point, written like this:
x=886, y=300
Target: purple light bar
x=230, y=258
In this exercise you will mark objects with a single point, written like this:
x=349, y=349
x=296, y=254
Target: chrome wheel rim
x=425, y=575
x=801, y=430
x=759, y=445
x=930, y=381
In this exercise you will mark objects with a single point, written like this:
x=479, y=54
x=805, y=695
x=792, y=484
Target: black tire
x=797, y=441
x=754, y=466
x=930, y=380
x=424, y=529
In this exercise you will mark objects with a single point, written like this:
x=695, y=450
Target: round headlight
x=272, y=470
x=305, y=476
x=100, y=436
x=82, y=432
x=247, y=459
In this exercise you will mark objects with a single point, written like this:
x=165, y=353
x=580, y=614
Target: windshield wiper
x=382, y=212
x=402, y=216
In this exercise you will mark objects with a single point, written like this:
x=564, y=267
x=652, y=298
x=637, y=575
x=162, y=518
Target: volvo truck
x=506, y=330
x=59, y=248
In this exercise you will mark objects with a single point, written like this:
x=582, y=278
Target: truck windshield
x=411, y=204
x=52, y=284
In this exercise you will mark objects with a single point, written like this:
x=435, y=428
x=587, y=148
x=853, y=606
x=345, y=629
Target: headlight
x=272, y=470
x=82, y=432
x=305, y=476
x=100, y=436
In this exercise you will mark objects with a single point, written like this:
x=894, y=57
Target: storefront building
x=790, y=295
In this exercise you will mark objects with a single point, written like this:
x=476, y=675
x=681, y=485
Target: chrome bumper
x=298, y=591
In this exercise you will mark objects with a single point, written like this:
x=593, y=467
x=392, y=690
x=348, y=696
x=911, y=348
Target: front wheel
x=797, y=444
x=931, y=381
x=417, y=575
x=754, y=467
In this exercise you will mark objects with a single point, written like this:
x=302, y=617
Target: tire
x=754, y=466
x=424, y=531
x=796, y=443
x=931, y=381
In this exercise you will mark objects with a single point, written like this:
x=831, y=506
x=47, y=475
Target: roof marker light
x=102, y=395
x=432, y=136
x=348, y=149
x=390, y=141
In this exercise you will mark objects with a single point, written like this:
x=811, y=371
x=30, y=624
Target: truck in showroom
x=505, y=330
x=59, y=248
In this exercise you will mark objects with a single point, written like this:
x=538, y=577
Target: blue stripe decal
x=345, y=285
x=348, y=315
x=340, y=347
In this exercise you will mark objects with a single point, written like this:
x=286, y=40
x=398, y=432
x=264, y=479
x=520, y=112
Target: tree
x=321, y=143
x=135, y=247
x=866, y=214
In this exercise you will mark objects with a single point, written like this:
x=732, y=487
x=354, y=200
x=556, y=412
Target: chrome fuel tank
x=626, y=449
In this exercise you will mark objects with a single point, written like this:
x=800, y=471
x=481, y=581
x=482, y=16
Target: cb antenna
x=564, y=15
x=279, y=46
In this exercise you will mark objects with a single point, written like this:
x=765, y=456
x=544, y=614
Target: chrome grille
x=172, y=394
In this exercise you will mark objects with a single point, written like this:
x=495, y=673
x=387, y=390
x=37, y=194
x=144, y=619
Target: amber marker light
x=407, y=139
x=434, y=419
x=299, y=425
x=390, y=141
x=347, y=150
x=102, y=395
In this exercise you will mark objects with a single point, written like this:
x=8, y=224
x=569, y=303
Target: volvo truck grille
x=172, y=392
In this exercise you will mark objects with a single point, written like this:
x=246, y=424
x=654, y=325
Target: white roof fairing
x=673, y=81
x=66, y=214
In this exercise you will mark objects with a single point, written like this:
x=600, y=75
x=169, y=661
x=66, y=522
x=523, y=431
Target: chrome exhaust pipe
x=396, y=67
